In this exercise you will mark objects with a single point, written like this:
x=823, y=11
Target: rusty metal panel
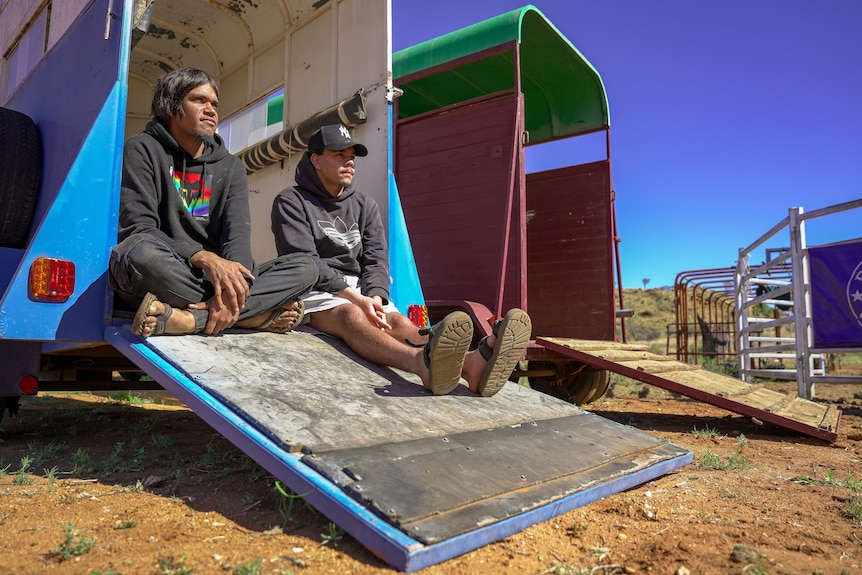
x=570, y=252
x=460, y=179
x=443, y=487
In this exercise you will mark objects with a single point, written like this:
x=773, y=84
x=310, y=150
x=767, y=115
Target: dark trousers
x=142, y=263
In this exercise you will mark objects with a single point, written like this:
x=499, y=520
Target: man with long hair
x=184, y=253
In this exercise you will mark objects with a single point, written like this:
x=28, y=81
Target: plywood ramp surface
x=754, y=400
x=433, y=467
x=313, y=394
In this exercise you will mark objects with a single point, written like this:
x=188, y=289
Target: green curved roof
x=563, y=93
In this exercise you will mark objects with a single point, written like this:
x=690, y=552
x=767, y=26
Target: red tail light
x=52, y=280
x=28, y=385
x=418, y=314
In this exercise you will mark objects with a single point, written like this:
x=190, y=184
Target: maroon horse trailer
x=488, y=236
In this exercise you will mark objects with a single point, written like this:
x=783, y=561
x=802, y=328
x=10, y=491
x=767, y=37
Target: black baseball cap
x=335, y=137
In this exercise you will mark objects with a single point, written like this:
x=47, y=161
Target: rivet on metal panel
x=523, y=478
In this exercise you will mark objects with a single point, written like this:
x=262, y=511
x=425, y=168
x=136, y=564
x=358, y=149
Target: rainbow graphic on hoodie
x=195, y=194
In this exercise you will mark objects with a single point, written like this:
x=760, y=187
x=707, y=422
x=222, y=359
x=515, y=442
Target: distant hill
x=654, y=311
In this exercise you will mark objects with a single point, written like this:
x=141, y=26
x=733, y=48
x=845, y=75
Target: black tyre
x=572, y=381
x=10, y=404
x=20, y=173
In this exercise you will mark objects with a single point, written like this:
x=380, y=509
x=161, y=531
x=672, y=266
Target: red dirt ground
x=149, y=488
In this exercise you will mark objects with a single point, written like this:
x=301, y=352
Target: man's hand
x=230, y=286
x=220, y=316
x=372, y=306
x=230, y=289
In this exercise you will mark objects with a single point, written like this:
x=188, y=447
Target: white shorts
x=321, y=300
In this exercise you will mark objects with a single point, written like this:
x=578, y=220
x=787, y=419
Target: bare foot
x=178, y=321
x=286, y=320
x=474, y=366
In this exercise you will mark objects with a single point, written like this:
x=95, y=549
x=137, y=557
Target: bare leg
x=474, y=366
x=350, y=324
x=403, y=329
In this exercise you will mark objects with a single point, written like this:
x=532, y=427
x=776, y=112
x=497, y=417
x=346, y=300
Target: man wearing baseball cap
x=325, y=216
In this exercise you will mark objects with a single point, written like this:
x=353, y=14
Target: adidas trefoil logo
x=340, y=234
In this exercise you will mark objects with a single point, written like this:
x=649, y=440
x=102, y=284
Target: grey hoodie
x=344, y=235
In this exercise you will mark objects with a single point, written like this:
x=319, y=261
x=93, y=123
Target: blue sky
x=723, y=116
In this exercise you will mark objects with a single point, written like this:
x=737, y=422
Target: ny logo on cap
x=344, y=132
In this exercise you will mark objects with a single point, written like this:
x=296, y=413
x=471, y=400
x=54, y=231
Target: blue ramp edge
x=375, y=534
x=383, y=539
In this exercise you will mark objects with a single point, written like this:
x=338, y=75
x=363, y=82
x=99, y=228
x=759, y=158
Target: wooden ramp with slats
x=752, y=400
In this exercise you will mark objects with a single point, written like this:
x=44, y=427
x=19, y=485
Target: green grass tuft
x=73, y=544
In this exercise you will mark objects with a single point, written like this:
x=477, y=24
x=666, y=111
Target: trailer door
x=461, y=182
x=570, y=250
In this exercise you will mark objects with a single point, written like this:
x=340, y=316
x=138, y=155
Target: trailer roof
x=564, y=95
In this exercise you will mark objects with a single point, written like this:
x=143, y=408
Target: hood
x=212, y=153
x=307, y=179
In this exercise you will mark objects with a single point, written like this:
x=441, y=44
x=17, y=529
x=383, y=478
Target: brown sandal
x=268, y=324
x=513, y=335
x=448, y=343
x=144, y=312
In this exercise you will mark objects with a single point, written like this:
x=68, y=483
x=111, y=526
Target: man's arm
x=374, y=261
x=236, y=218
x=371, y=305
x=230, y=282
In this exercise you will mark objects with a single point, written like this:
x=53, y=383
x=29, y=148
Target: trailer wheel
x=10, y=404
x=573, y=381
x=20, y=172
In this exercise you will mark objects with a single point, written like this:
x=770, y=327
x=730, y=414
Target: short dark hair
x=172, y=88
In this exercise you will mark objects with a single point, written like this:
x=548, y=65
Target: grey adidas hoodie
x=344, y=235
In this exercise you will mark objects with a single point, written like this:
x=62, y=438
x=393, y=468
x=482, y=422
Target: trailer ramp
x=417, y=479
x=752, y=400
